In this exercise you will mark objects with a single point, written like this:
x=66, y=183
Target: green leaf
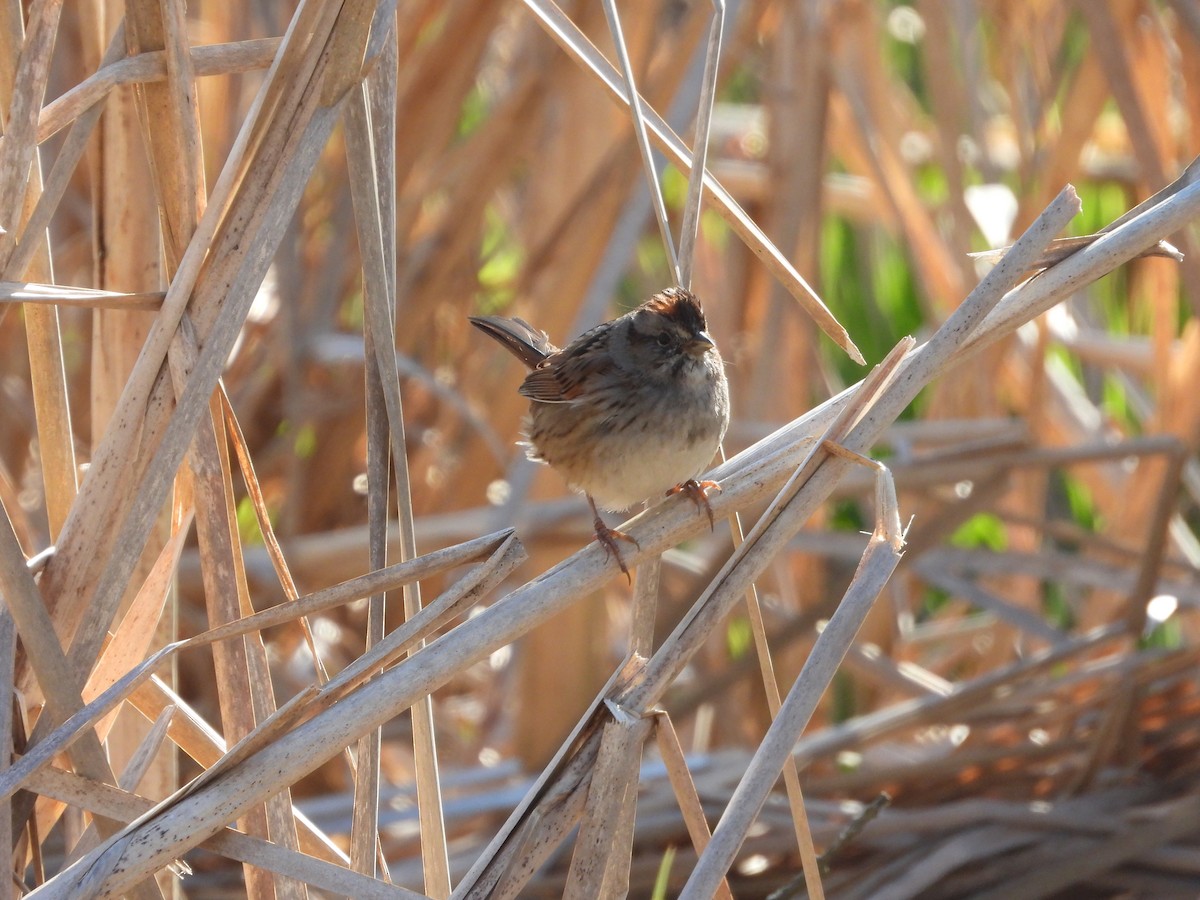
x=663, y=879
x=738, y=637
x=981, y=531
x=247, y=523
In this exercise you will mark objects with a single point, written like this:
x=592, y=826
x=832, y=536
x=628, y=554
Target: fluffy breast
x=630, y=442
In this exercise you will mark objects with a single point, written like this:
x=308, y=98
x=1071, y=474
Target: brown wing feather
x=544, y=385
x=560, y=378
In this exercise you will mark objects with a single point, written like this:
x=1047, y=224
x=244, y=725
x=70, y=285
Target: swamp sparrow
x=627, y=409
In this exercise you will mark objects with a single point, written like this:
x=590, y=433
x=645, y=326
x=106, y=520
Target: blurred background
x=1051, y=483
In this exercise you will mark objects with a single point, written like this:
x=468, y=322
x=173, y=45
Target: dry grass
x=307, y=585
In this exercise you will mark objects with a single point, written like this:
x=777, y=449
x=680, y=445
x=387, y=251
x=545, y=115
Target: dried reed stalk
x=457, y=141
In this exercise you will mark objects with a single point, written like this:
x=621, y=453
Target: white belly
x=621, y=476
x=602, y=449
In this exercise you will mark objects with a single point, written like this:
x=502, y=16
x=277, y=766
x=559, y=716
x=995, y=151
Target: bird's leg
x=697, y=492
x=608, y=538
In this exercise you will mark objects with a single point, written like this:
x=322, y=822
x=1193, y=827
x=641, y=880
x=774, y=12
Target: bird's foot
x=697, y=492
x=608, y=538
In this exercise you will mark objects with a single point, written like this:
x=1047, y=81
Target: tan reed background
x=219, y=219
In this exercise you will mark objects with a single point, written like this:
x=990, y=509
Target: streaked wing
x=561, y=378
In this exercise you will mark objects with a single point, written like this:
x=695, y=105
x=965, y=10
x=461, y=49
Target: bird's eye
x=664, y=340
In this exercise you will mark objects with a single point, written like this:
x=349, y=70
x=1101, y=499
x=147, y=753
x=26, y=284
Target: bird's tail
x=518, y=337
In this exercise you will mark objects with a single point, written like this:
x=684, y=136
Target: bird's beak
x=700, y=344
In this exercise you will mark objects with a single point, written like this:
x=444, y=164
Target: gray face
x=669, y=346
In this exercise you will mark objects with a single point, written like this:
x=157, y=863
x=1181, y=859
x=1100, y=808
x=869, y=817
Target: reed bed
x=287, y=612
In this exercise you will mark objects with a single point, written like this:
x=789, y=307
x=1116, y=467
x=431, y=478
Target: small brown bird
x=628, y=409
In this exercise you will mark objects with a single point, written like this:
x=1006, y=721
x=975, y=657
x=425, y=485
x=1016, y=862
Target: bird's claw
x=697, y=492
x=608, y=538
